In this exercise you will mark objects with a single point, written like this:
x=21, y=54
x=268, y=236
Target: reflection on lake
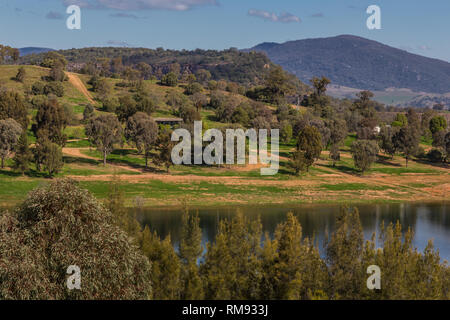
x=428, y=221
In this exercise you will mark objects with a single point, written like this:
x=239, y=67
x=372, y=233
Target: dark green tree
x=309, y=141
x=364, y=154
x=23, y=155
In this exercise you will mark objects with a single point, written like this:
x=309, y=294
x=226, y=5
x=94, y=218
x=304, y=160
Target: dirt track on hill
x=77, y=83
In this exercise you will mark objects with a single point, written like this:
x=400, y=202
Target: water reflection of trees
x=315, y=219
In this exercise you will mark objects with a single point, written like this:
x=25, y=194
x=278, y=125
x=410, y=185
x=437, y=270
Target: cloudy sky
x=417, y=26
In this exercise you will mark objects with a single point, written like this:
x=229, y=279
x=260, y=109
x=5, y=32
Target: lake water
x=428, y=221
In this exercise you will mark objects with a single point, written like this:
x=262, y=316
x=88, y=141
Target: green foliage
x=8, y=54
x=364, y=154
x=88, y=113
x=407, y=140
x=10, y=131
x=437, y=124
x=386, y=140
x=164, y=146
x=166, y=267
x=12, y=105
x=142, y=131
x=345, y=256
x=23, y=155
x=103, y=132
x=286, y=132
x=52, y=59
x=231, y=264
x=238, y=264
x=335, y=154
x=60, y=225
x=230, y=65
x=189, y=254
x=51, y=120
x=170, y=80
x=309, y=142
x=400, y=120
x=21, y=74
x=193, y=88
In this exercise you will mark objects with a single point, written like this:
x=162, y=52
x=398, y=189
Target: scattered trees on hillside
x=364, y=154
x=103, y=132
x=10, y=132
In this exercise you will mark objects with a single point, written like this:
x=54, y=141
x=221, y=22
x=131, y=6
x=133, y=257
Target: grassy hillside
x=72, y=96
x=388, y=180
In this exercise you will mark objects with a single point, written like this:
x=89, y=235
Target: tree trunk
x=3, y=162
x=407, y=161
x=146, y=161
x=104, y=158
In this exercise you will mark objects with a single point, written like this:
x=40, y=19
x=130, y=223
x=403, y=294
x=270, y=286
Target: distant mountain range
x=360, y=63
x=31, y=50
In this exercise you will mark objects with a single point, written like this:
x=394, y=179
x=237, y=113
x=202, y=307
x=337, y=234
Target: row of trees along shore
x=59, y=225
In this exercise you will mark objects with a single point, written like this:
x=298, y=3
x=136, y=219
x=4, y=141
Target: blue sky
x=418, y=26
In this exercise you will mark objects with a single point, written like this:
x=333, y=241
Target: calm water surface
x=428, y=221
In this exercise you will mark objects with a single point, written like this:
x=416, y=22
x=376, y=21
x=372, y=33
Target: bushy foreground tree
x=60, y=225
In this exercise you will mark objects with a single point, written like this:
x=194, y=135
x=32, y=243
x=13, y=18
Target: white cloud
x=177, y=5
x=271, y=16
